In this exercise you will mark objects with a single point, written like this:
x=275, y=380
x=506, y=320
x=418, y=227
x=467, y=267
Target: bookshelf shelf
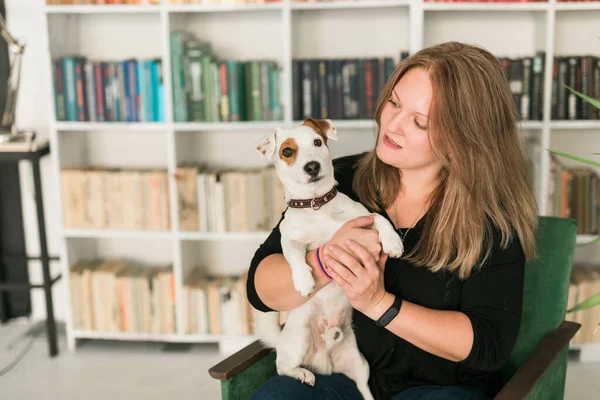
x=112, y=234
x=585, y=239
x=212, y=8
x=532, y=125
x=504, y=7
x=291, y=32
x=102, y=9
x=109, y=126
x=583, y=6
x=226, y=126
x=225, y=236
x=156, y=337
x=574, y=125
x=332, y=5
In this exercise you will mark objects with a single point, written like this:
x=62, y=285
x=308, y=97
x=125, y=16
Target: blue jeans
x=340, y=387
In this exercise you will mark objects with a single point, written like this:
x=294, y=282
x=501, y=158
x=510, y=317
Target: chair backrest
x=546, y=287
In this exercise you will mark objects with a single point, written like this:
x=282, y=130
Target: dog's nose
x=312, y=168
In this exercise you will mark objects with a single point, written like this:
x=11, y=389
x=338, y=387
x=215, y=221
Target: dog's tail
x=266, y=327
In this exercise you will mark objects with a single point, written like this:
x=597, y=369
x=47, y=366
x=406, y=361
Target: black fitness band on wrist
x=391, y=313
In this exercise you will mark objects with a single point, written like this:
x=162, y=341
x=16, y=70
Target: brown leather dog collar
x=314, y=203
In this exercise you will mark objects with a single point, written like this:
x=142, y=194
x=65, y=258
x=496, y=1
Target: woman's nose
x=396, y=123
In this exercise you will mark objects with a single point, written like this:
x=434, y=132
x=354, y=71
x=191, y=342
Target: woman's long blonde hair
x=473, y=130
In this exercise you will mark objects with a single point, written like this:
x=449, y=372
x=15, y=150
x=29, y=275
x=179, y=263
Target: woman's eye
x=318, y=142
x=392, y=102
x=288, y=152
x=423, y=128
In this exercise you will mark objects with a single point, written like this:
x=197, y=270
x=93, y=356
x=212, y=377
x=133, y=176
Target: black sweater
x=491, y=298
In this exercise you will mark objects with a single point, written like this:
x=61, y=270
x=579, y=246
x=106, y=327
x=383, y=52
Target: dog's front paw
x=391, y=244
x=303, y=280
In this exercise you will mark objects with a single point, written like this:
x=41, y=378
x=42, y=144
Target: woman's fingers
x=340, y=274
x=367, y=260
x=347, y=260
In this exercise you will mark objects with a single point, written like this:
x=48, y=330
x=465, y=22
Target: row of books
x=573, y=193
x=582, y=73
x=526, y=78
x=106, y=91
x=339, y=88
x=216, y=200
x=120, y=199
x=585, y=283
x=216, y=305
x=117, y=295
x=122, y=296
x=207, y=89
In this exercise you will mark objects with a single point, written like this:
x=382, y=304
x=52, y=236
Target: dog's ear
x=331, y=133
x=324, y=127
x=266, y=145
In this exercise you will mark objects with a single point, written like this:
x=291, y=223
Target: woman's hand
x=358, y=274
x=355, y=230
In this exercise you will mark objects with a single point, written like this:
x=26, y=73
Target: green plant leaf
x=595, y=103
x=575, y=158
x=589, y=303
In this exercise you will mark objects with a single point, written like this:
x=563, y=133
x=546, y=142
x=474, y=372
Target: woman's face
x=403, y=135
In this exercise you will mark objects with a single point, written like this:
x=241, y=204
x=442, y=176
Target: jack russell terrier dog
x=317, y=336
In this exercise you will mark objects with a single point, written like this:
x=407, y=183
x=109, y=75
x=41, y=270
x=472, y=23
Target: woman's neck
x=417, y=185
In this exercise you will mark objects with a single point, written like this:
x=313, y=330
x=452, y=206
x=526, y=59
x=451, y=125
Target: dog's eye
x=318, y=142
x=288, y=152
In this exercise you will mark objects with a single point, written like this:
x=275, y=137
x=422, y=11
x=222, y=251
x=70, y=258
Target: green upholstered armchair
x=538, y=363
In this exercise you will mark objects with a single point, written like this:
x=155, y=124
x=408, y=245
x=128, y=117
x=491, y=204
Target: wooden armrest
x=239, y=361
x=532, y=370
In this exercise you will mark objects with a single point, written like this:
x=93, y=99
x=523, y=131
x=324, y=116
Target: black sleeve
x=272, y=245
x=492, y=299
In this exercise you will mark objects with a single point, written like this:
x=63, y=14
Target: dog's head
x=300, y=154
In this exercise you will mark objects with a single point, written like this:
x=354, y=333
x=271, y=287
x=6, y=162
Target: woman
x=448, y=171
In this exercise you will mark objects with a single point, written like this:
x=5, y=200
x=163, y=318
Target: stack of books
x=121, y=296
x=232, y=200
x=108, y=91
x=209, y=89
x=120, y=199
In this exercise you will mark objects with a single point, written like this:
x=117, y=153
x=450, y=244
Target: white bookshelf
x=287, y=30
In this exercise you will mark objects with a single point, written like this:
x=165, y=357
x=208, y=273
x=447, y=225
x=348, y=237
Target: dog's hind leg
x=346, y=359
x=291, y=352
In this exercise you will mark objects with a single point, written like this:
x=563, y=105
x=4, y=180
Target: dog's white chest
x=313, y=227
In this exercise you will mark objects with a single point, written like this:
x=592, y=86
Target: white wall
x=25, y=21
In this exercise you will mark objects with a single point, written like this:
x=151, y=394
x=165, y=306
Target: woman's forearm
x=446, y=334
x=274, y=286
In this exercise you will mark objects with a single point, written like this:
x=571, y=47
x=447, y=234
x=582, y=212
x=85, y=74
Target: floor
x=148, y=371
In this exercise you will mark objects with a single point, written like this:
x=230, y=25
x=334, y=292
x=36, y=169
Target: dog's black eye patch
x=287, y=152
x=318, y=142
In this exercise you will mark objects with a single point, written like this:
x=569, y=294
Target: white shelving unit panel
x=585, y=239
x=112, y=234
x=211, y=8
x=102, y=9
x=332, y=5
x=295, y=30
x=110, y=126
x=431, y=6
x=223, y=236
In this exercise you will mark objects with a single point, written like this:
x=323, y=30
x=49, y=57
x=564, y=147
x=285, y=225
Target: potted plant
x=595, y=299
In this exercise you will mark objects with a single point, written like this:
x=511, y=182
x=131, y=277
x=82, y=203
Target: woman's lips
x=390, y=143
